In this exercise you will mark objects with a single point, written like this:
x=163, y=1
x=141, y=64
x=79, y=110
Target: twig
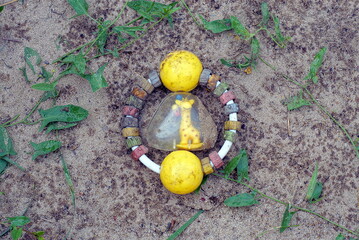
x=7, y=3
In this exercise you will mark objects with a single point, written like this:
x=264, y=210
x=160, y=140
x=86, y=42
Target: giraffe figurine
x=189, y=135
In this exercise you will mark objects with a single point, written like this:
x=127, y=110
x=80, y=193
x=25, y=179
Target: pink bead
x=138, y=152
x=216, y=159
x=130, y=111
x=226, y=97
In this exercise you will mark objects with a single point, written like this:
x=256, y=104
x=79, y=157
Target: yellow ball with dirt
x=181, y=172
x=180, y=71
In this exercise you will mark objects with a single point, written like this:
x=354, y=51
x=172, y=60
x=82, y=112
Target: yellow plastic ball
x=181, y=172
x=180, y=71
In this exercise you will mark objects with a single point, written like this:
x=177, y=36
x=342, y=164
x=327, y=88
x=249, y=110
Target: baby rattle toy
x=181, y=124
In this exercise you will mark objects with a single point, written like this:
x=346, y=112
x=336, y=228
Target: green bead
x=230, y=136
x=221, y=88
x=133, y=141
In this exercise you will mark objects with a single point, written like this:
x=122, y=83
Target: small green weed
x=17, y=230
x=304, y=97
x=248, y=199
x=77, y=62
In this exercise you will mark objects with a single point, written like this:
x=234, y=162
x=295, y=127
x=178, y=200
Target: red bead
x=226, y=97
x=138, y=152
x=130, y=111
x=216, y=159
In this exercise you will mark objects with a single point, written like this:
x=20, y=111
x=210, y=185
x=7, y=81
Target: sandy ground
x=118, y=198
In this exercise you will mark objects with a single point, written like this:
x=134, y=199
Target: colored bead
x=130, y=132
x=155, y=79
x=139, y=92
x=212, y=82
x=130, y=111
x=138, y=152
x=146, y=85
x=232, y=125
x=226, y=97
x=231, y=108
x=129, y=122
x=206, y=166
x=216, y=159
x=134, y=101
x=133, y=141
x=203, y=79
x=220, y=89
x=230, y=136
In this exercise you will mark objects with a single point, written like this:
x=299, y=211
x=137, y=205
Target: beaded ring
x=135, y=102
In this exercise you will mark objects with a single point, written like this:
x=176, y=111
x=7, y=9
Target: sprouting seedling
x=239, y=29
x=150, y=14
x=17, y=229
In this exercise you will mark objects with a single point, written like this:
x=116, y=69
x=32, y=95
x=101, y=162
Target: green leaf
x=79, y=61
x=114, y=52
x=45, y=74
x=45, y=86
x=265, y=14
x=132, y=31
x=44, y=147
x=97, y=80
x=296, y=102
x=204, y=180
x=102, y=36
x=184, y=226
x=235, y=162
x=80, y=6
x=242, y=167
x=228, y=63
x=6, y=147
x=340, y=237
x=59, y=126
x=66, y=113
x=2, y=8
x=317, y=191
x=39, y=235
x=315, y=65
x=217, y=26
x=68, y=180
x=277, y=30
x=241, y=200
x=9, y=161
x=24, y=74
x=152, y=10
x=16, y=233
x=29, y=53
x=255, y=50
x=287, y=217
x=239, y=28
x=315, y=188
x=18, y=221
x=3, y=165
x=49, y=94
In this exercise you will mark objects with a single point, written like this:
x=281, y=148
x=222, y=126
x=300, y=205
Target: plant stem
x=7, y=3
x=133, y=40
x=316, y=102
x=133, y=21
x=93, y=41
x=24, y=120
x=191, y=14
x=284, y=203
x=106, y=28
x=11, y=120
